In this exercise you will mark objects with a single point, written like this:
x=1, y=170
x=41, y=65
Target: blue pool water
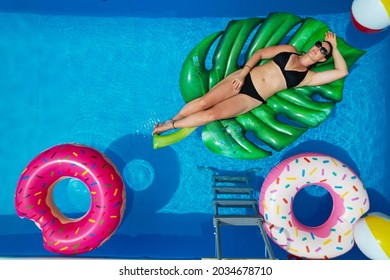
x=103, y=79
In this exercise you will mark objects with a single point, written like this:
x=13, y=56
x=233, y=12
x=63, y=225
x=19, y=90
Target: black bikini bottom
x=249, y=89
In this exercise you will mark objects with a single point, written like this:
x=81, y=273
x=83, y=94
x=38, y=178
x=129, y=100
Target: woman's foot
x=162, y=127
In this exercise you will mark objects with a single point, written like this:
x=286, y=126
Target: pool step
x=238, y=220
x=235, y=203
x=232, y=190
x=230, y=179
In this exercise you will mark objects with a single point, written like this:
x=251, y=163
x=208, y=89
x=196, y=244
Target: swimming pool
x=100, y=75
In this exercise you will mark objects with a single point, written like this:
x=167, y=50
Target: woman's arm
x=340, y=67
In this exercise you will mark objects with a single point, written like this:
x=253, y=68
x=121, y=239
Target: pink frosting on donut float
x=350, y=201
x=33, y=197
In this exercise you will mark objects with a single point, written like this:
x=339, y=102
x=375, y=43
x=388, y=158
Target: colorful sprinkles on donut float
x=33, y=198
x=350, y=201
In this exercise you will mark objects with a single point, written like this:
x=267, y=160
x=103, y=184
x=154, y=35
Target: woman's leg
x=221, y=91
x=232, y=107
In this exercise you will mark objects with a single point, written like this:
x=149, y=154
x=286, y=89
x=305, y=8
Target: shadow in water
x=363, y=40
x=150, y=176
x=381, y=203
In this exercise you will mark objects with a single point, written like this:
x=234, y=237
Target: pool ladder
x=235, y=192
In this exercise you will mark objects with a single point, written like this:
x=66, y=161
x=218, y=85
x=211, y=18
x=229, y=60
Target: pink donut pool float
x=350, y=201
x=34, y=200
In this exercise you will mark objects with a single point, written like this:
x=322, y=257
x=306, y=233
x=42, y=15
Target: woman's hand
x=331, y=38
x=238, y=81
x=340, y=66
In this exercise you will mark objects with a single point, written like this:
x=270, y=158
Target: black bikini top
x=292, y=77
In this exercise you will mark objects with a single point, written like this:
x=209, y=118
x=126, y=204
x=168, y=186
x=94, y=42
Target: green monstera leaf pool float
x=287, y=114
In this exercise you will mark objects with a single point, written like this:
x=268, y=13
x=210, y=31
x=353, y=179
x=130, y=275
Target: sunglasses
x=318, y=44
